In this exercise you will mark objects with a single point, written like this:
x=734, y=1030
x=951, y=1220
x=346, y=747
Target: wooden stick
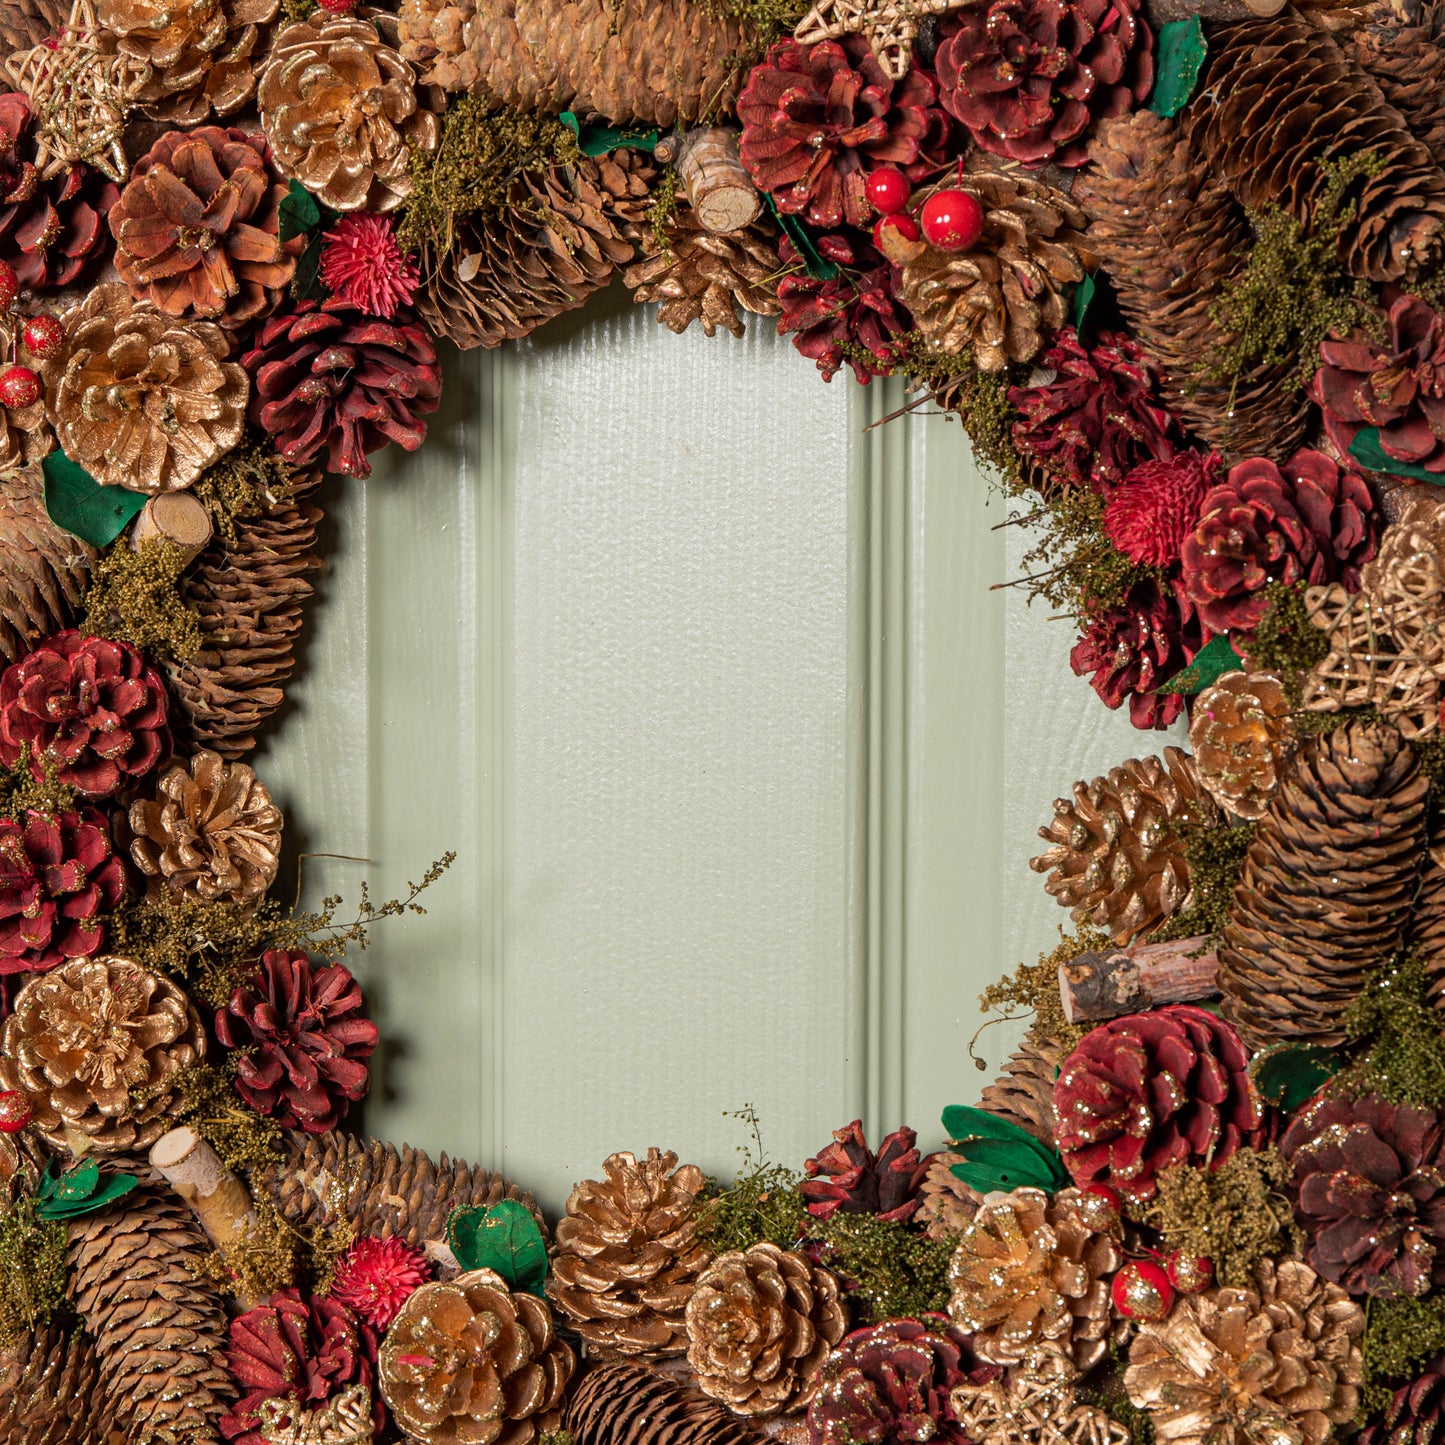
x=719, y=189
x=1105, y=984
x=173, y=517
x=1162, y=12
x=667, y=148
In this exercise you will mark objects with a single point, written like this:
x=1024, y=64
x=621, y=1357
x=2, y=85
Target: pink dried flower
x=363, y=263
x=376, y=1276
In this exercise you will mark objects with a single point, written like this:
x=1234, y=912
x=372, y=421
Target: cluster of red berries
x=42, y=338
x=1144, y=1289
x=951, y=220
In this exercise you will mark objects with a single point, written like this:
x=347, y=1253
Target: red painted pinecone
x=1027, y=76
x=848, y=1178
x=1415, y=1413
x=1397, y=386
x=1307, y=520
x=304, y=1039
x=1099, y=417
x=333, y=384
x=1369, y=1188
x=58, y=876
x=49, y=230
x=1150, y=513
x=817, y=118
x=91, y=707
x=1150, y=1090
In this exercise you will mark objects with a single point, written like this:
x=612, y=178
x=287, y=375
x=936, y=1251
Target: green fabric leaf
x=78, y=504
x=1003, y=1164
x=962, y=1122
x=601, y=140
x=1210, y=663
x=1366, y=450
x=1084, y=294
x=79, y=1191
x=1182, y=51
x=1288, y=1075
x=299, y=212
x=797, y=233
x=504, y=1238
x=306, y=284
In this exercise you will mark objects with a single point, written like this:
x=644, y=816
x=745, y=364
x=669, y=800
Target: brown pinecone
x=625, y=1404
x=1115, y=857
x=946, y=1205
x=1275, y=97
x=159, y=1327
x=1242, y=739
x=1406, y=59
x=49, y=1391
x=44, y=572
x=376, y=1188
x=25, y=23
x=1024, y=1093
x=627, y=1255
x=1325, y=894
x=1171, y=237
x=1427, y=919
x=561, y=238
x=654, y=61
x=698, y=275
x=249, y=594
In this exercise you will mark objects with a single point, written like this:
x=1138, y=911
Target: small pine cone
x=620, y=1403
x=44, y=572
x=1115, y=859
x=1406, y=59
x=1325, y=894
x=50, y=1391
x=627, y=1255
x=847, y=1177
x=1426, y=934
x=760, y=1323
x=25, y=23
x=1242, y=741
x=1024, y=1093
x=947, y=1205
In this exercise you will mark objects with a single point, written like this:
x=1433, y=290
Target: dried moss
x=1401, y=1335
x=249, y=481
x=1402, y=1036
x=762, y=1203
x=1286, y=642
x=888, y=1271
x=1215, y=854
x=294, y=10
x=210, y=1105
x=275, y=1254
x=1104, y=1388
x=133, y=598
x=980, y=401
x=662, y=208
x=32, y=1270
x=21, y=792
x=1033, y=988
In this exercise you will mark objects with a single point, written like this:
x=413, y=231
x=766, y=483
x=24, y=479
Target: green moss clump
x=888, y=1271
x=1286, y=642
x=1033, y=988
x=762, y=1204
x=21, y=792
x=1401, y=1335
x=248, y=481
x=1215, y=854
x=32, y=1270
x=133, y=598
x=210, y=1105
x=1104, y=1388
x=1403, y=1038
x=979, y=399
x=273, y=1254
x=294, y=10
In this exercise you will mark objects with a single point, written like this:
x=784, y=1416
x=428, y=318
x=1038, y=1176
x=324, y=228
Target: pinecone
x=1242, y=741
x=159, y=1327
x=947, y=1205
x=1024, y=1093
x=1325, y=894
x=339, y=108
x=627, y=1256
x=50, y=1394
x=1002, y=296
x=211, y=832
x=846, y=1177
x=700, y=276
x=651, y=61
x=1115, y=858
x=1414, y=1413
x=376, y=1188
x=1029, y=1270
x=760, y=1323
x=625, y=1404
x=1253, y=1366
x=1426, y=929
x=25, y=23
x=1405, y=58
x=44, y=572
x=1275, y=92
x=469, y=1360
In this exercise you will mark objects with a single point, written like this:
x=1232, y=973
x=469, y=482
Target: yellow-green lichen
x=32, y=1270
x=134, y=598
x=888, y=1270
x=1033, y=988
x=1402, y=1037
x=248, y=481
x=1215, y=853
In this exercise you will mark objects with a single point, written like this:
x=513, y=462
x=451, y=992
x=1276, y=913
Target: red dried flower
x=848, y=1177
x=363, y=264
x=1149, y=514
x=90, y=706
x=375, y=1277
x=58, y=875
x=304, y=1037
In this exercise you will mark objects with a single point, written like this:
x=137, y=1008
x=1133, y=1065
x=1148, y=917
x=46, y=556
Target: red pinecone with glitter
x=91, y=707
x=1415, y=1413
x=375, y=1277
x=1099, y=417
x=49, y=230
x=848, y=1178
x=362, y=263
x=817, y=118
x=332, y=384
x=1150, y=1090
x=1027, y=76
x=58, y=877
x=302, y=1038
x=1150, y=513
x=1306, y=521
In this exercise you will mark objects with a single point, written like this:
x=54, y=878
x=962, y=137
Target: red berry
x=43, y=336
x=952, y=220
x=337, y=7
x=899, y=221
x=887, y=190
x=1141, y=1291
x=14, y=1111
x=19, y=386
x=1107, y=1191
x=9, y=286
x=1190, y=1273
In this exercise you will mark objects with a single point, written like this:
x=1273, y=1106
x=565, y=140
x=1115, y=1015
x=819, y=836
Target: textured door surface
x=741, y=759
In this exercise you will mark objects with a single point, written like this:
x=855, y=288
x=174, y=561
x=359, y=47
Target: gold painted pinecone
x=760, y=1323
x=1280, y=1361
x=1031, y=1270
x=1115, y=857
x=468, y=1361
x=627, y=1255
x=1242, y=739
x=339, y=107
x=44, y=572
x=83, y=1037
x=211, y=832
x=141, y=400
x=946, y=1205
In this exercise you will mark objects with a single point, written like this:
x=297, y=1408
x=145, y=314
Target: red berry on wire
x=952, y=220
x=899, y=222
x=43, y=336
x=887, y=190
x=1141, y=1291
x=14, y=1111
x=19, y=387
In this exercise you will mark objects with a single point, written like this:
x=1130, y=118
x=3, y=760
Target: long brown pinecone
x=627, y=1404
x=249, y=594
x=1024, y=1093
x=1427, y=918
x=159, y=1329
x=381, y=1190
x=49, y=1392
x=1407, y=62
x=1327, y=886
x=25, y=23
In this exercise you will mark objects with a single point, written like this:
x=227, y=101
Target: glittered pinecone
x=1030, y=1270
x=1027, y=76
x=158, y=1324
x=1404, y=56
x=1280, y=1360
x=846, y=1177
x=470, y=1360
x=44, y=1372
x=1242, y=739
x=196, y=228
x=760, y=1323
x=25, y=23
x=1001, y=298
x=947, y=1205
x=339, y=107
x=44, y=571
x=140, y=400
x=1024, y=1093
x=1115, y=859
x=1426, y=930
x=1325, y=893
x=1270, y=126
x=627, y=1255
x=25, y=439
x=620, y=1403
x=1156, y=506
x=1414, y=1413
x=332, y=384
x=211, y=832
x=1145, y=1092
